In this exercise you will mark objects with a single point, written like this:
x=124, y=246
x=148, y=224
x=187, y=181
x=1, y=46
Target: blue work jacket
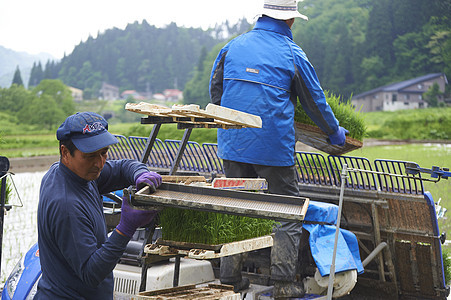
x=263, y=72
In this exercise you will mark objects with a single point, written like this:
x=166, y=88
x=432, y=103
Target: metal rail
x=389, y=176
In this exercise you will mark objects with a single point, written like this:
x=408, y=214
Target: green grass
x=447, y=265
x=415, y=124
x=26, y=145
x=345, y=113
x=193, y=226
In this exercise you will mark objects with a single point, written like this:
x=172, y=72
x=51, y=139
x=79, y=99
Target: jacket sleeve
x=306, y=86
x=217, y=77
x=119, y=174
x=91, y=263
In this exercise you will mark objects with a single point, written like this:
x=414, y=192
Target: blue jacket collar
x=270, y=24
x=71, y=175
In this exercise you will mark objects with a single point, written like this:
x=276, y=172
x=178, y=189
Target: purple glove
x=339, y=137
x=131, y=219
x=152, y=179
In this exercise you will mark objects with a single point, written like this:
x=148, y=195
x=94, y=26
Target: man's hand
x=132, y=219
x=339, y=137
x=151, y=179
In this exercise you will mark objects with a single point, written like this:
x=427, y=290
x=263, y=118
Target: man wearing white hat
x=263, y=72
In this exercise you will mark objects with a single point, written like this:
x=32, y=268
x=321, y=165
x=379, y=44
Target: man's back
x=258, y=69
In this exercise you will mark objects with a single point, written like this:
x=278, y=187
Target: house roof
x=128, y=92
x=73, y=89
x=109, y=86
x=398, y=86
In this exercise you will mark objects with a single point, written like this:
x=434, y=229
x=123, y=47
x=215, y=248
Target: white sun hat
x=282, y=9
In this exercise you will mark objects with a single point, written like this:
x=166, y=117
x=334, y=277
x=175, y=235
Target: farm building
x=406, y=94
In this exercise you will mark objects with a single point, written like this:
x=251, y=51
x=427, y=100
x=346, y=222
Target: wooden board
x=212, y=115
x=201, y=251
x=226, y=114
x=183, y=179
x=316, y=138
x=210, y=292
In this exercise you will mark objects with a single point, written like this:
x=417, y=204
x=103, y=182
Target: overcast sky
x=57, y=26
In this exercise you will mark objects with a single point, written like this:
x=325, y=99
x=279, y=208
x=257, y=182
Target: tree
x=379, y=36
x=43, y=111
x=17, y=79
x=57, y=91
x=50, y=102
x=36, y=75
x=432, y=95
x=196, y=90
x=14, y=98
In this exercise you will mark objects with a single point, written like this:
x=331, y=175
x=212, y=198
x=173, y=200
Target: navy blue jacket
x=263, y=72
x=77, y=257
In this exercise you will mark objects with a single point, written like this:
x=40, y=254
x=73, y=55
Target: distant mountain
x=10, y=59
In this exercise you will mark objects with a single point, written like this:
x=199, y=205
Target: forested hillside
x=357, y=45
x=354, y=45
x=141, y=57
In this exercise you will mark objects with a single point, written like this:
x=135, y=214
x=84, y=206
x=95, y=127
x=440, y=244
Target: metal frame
x=211, y=152
x=122, y=149
x=375, y=187
x=193, y=158
x=159, y=157
x=4, y=167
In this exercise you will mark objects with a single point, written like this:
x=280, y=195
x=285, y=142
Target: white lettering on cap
x=93, y=127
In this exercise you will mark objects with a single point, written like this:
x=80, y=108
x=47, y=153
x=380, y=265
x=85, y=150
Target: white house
x=406, y=94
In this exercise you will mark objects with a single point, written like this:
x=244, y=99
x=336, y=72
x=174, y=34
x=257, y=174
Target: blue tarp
x=117, y=193
x=322, y=237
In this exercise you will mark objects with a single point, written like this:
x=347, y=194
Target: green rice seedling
x=191, y=226
x=345, y=113
x=447, y=265
x=8, y=191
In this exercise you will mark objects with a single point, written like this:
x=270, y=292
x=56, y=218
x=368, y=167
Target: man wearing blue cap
x=263, y=72
x=77, y=257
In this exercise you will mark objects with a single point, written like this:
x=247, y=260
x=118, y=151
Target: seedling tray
x=316, y=138
x=203, y=251
x=255, y=205
x=187, y=292
x=188, y=246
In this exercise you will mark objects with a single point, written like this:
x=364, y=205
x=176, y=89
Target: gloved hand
x=339, y=137
x=151, y=179
x=131, y=219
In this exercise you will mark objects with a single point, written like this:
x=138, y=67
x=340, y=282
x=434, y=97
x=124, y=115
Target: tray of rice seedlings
x=187, y=229
x=310, y=134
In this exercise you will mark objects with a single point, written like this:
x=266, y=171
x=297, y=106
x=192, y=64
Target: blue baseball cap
x=87, y=130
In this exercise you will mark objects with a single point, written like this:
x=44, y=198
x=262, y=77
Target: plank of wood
x=142, y=107
x=183, y=179
x=191, y=292
x=199, y=252
x=214, y=114
x=224, y=113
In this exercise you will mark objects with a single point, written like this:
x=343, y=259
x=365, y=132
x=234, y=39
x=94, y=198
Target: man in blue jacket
x=263, y=72
x=77, y=257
